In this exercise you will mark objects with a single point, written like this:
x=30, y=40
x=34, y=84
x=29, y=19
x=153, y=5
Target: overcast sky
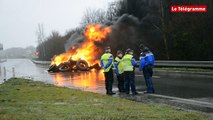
x=19, y=19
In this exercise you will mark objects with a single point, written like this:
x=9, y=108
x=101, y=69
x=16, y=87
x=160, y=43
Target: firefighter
x=146, y=64
x=119, y=70
x=107, y=64
x=128, y=67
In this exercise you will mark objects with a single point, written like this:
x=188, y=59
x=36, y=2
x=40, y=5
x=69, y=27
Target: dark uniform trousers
x=129, y=81
x=120, y=79
x=109, y=80
x=147, y=72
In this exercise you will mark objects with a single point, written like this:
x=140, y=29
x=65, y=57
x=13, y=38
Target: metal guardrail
x=195, y=64
x=41, y=62
x=3, y=60
x=164, y=63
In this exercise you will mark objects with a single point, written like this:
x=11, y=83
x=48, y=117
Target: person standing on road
x=129, y=79
x=146, y=64
x=107, y=62
x=119, y=70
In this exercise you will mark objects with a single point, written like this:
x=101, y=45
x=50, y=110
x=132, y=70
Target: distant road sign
x=1, y=46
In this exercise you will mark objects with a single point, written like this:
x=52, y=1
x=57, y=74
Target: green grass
x=29, y=100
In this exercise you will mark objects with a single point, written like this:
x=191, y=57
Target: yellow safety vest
x=105, y=58
x=127, y=62
x=120, y=65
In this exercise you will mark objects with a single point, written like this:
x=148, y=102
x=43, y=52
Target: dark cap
x=119, y=52
x=141, y=46
x=107, y=48
x=146, y=49
x=129, y=50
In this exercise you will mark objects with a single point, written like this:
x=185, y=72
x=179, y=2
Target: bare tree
x=93, y=16
x=164, y=29
x=41, y=38
x=40, y=33
x=116, y=9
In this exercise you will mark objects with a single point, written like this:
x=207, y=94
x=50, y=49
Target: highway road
x=199, y=88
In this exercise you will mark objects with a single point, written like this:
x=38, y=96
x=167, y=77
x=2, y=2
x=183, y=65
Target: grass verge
x=25, y=99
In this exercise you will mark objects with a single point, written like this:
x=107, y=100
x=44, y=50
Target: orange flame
x=88, y=50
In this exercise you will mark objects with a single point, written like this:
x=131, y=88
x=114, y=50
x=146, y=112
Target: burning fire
x=88, y=50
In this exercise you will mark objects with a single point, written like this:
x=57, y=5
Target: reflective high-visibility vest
x=127, y=62
x=105, y=58
x=120, y=65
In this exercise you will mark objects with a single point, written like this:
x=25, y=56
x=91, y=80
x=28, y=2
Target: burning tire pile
x=73, y=66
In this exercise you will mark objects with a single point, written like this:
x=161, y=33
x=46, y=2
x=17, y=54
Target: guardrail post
x=5, y=75
x=13, y=70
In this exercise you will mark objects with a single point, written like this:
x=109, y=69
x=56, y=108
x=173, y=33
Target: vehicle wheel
x=65, y=67
x=82, y=65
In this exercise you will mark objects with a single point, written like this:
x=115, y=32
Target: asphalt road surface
x=199, y=88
